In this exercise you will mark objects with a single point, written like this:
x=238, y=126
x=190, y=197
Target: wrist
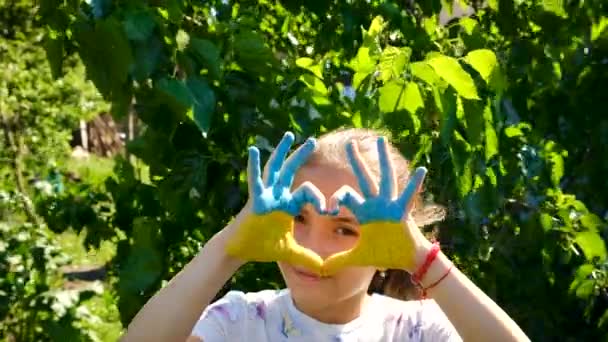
x=219, y=242
x=436, y=270
x=432, y=267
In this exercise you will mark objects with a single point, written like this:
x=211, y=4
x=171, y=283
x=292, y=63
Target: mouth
x=307, y=275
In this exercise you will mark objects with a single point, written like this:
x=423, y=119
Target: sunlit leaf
x=484, y=61
x=592, y=245
x=599, y=28
x=392, y=62
x=450, y=70
x=396, y=96
x=555, y=6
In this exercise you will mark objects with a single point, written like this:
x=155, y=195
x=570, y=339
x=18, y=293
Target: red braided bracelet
x=425, y=289
x=430, y=257
x=417, y=276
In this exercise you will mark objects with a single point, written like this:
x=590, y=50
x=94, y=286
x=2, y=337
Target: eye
x=298, y=218
x=347, y=231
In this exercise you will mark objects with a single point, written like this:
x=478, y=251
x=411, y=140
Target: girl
x=353, y=213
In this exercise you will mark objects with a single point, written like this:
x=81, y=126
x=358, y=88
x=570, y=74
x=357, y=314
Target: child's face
x=326, y=235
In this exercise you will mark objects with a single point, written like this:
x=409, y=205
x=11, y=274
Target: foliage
x=486, y=103
x=37, y=116
x=32, y=308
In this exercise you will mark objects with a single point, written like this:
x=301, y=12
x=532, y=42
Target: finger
x=387, y=172
x=366, y=182
x=412, y=187
x=301, y=256
x=346, y=196
x=295, y=161
x=254, y=173
x=336, y=262
x=277, y=157
x=307, y=193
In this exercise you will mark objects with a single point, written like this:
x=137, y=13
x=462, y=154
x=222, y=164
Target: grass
x=100, y=312
x=93, y=169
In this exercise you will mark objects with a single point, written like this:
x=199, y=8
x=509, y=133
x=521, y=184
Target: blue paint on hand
x=275, y=192
x=382, y=206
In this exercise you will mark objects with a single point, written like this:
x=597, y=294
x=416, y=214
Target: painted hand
x=266, y=233
x=385, y=241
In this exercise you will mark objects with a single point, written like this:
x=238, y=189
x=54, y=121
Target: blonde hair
x=331, y=149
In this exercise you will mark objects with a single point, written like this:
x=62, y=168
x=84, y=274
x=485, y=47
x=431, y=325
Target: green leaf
x=468, y=24
x=309, y=64
x=143, y=266
x=580, y=284
x=546, y=221
x=252, y=53
x=598, y=28
x=556, y=164
x=207, y=54
x=393, y=61
x=121, y=102
x=474, y=118
x=376, y=27
x=364, y=62
x=148, y=55
x=105, y=51
x=177, y=92
x=139, y=25
x=490, y=133
x=314, y=84
x=514, y=131
x=203, y=98
x=556, y=7
x=463, y=164
x=395, y=96
x=54, y=52
x=591, y=221
x=592, y=245
x=413, y=99
x=484, y=61
x=425, y=72
x=447, y=105
x=305, y=62
x=182, y=190
x=194, y=96
x=430, y=25
x=450, y=70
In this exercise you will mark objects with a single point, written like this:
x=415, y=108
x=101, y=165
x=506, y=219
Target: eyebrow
x=346, y=219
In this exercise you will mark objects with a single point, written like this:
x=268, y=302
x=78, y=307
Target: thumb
x=336, y=262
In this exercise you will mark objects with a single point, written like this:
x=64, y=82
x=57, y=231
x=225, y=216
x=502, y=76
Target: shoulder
x=416, y=318
x=235, y=313
x=235, y=304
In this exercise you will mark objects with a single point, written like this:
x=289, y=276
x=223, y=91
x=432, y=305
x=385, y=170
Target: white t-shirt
x=270, y=315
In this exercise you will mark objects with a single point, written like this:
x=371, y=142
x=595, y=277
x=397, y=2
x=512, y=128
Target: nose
x=311, y=235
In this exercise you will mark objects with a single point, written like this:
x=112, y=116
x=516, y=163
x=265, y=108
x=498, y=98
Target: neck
x=338, y=312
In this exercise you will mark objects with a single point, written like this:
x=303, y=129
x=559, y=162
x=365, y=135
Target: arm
x=260, y=232
x=475, y=316
x=173, y=311
x=384, y=214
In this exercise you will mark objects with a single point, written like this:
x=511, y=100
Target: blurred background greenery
x=124, y=127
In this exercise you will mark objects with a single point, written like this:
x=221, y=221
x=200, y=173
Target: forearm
x=475, y=316
x=172, y=312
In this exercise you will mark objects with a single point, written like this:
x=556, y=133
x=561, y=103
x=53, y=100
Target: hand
x=265, y=233
x=386, y=241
